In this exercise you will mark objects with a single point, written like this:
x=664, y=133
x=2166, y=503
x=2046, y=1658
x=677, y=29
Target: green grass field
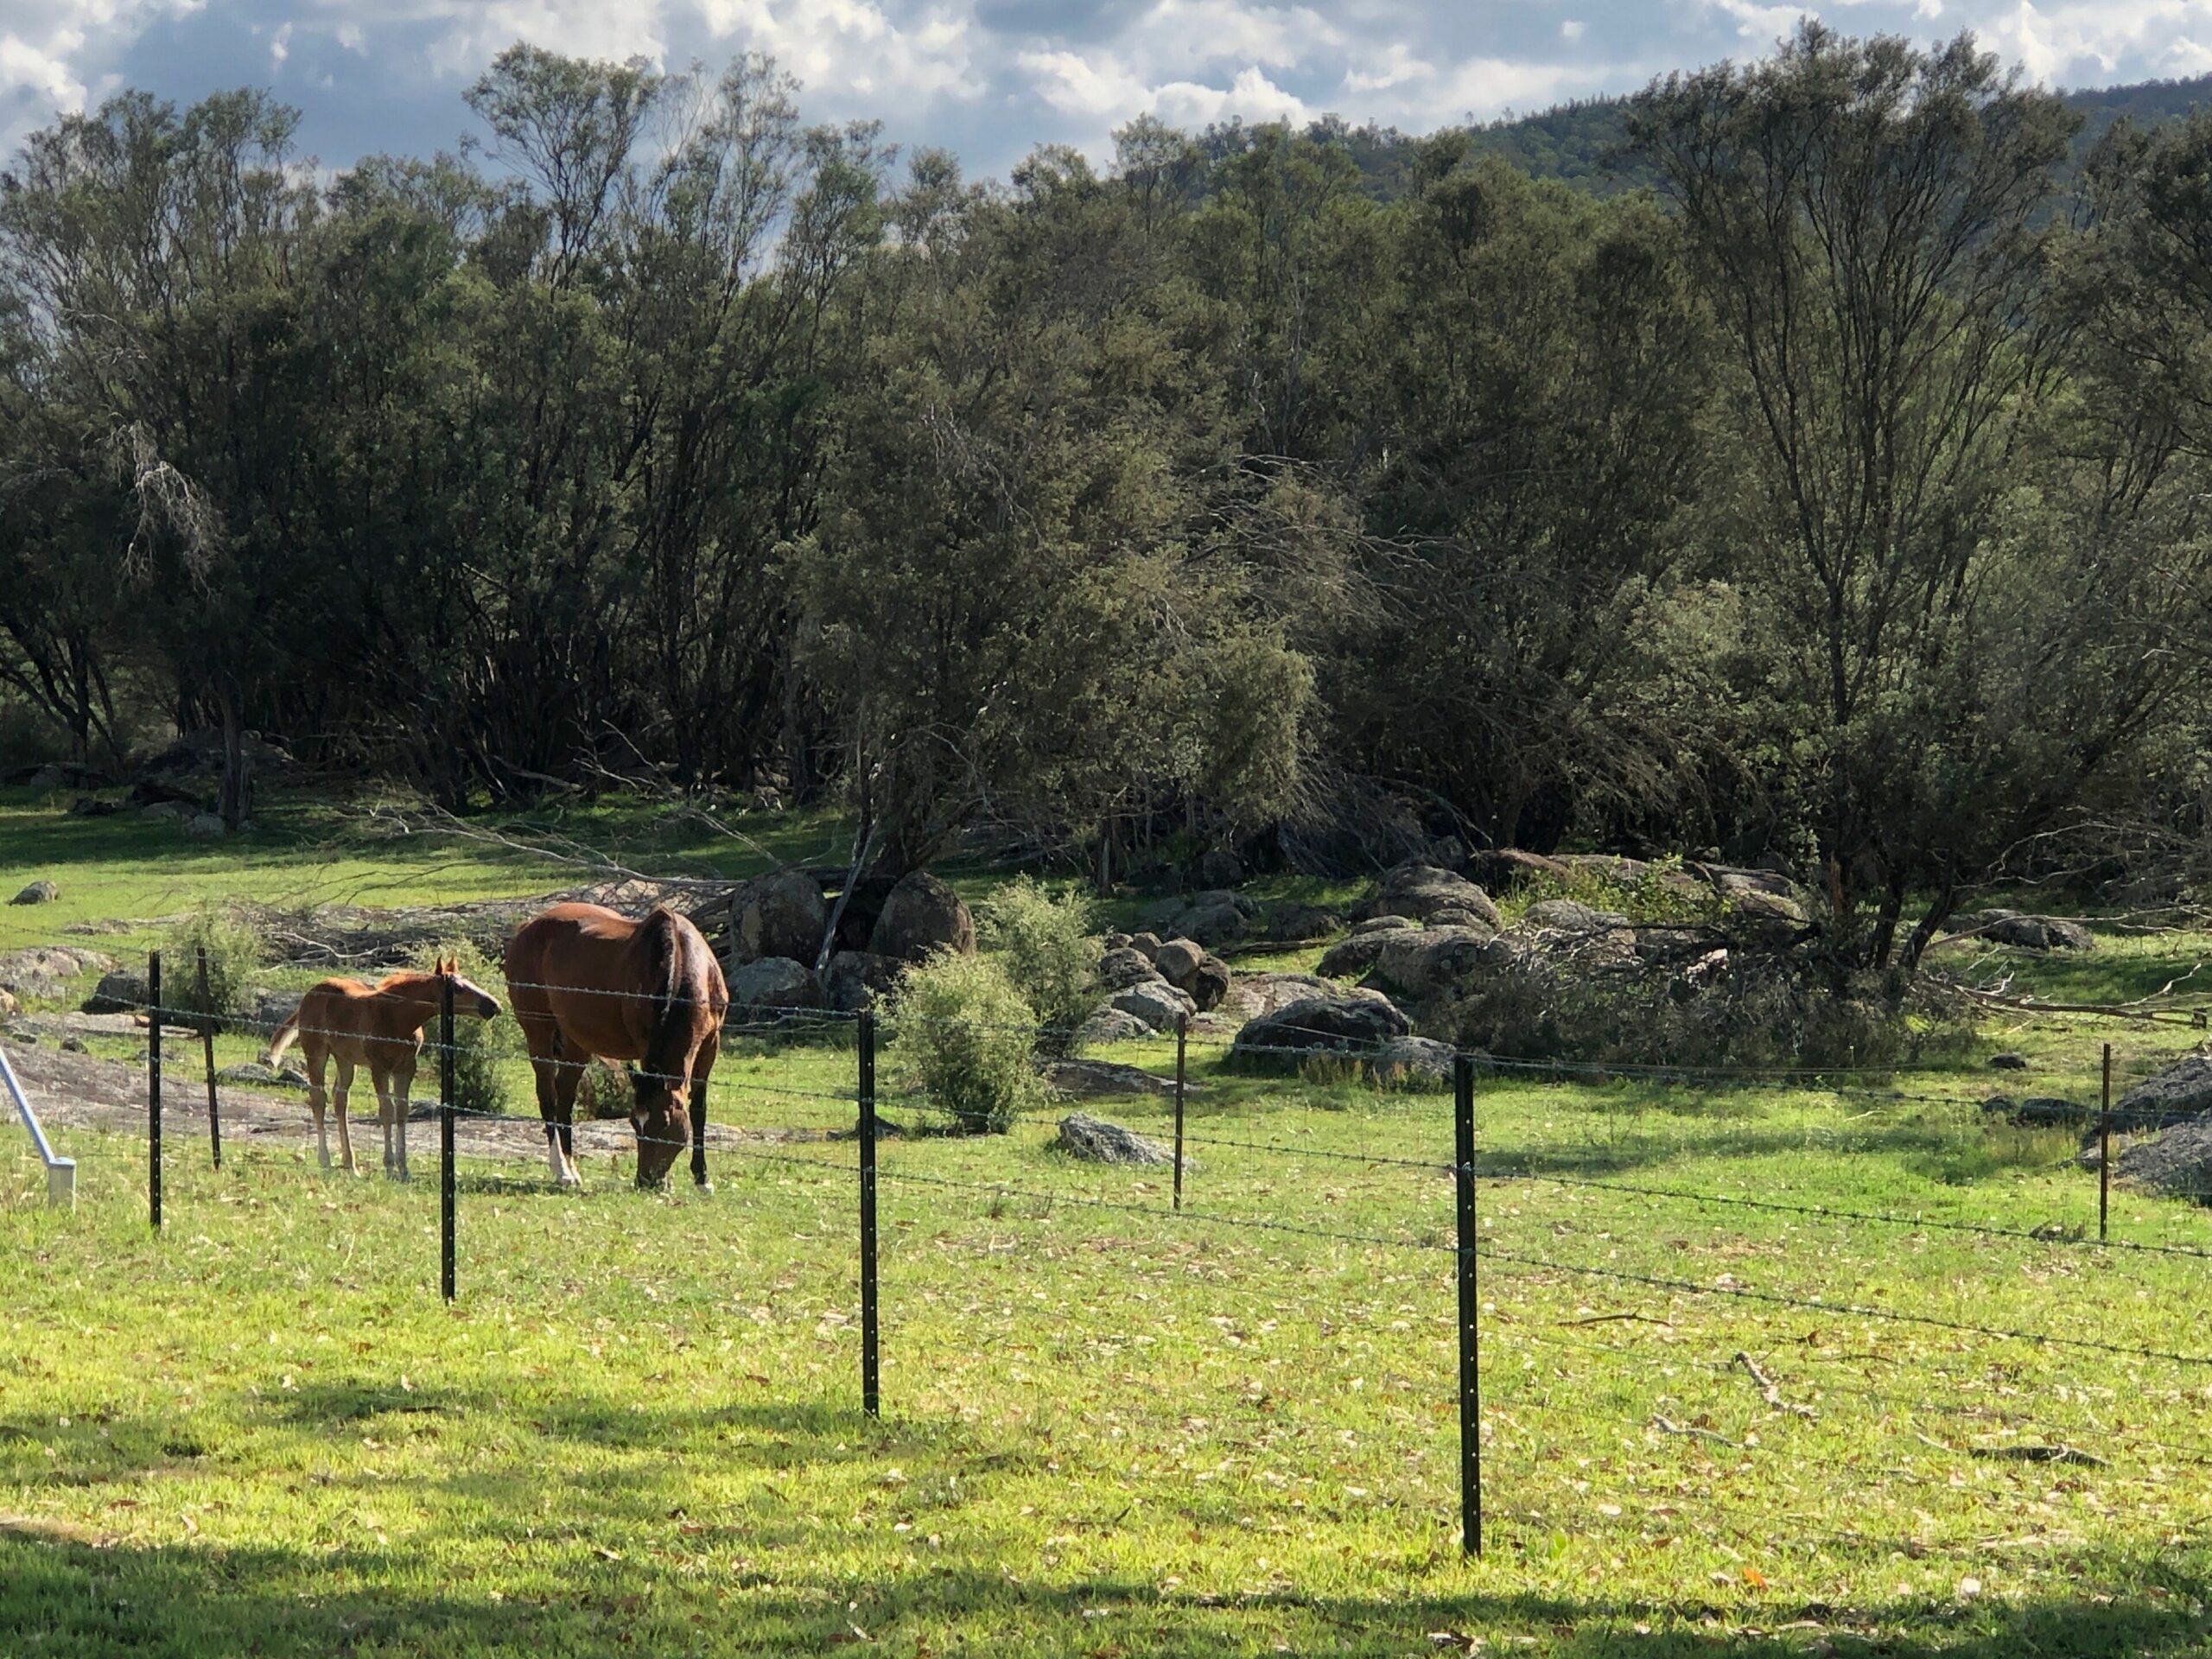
x=1109, y=1430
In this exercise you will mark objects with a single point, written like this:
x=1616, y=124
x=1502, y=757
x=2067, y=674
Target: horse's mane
x=670, y=1043
x=405, y=976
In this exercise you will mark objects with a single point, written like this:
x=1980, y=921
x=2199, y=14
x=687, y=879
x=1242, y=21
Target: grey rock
x=41, y=971
x=773, y=984
x=1211, y=919
x=2177, y=1161
x=1349, y=958
x=1414, y=1060
x=1420, y=890
x=1217, y=869
x=1757, y=907
x=1145, y=944
x=1299, y=924
x=779, y=914
x=119, y=991
x=1375, y=924
x=166, y=810
x=922, y=916
x=1156, y=1003
x=1429, y=962
x=2009, y=1062
x=1110, y=1024
x=1098, y=1141
x=2183, y=1091
x=1254, y=995
x=38, y=893
x=1108, y=1077
x=1348, y=1022
x=2039, y=1111
x=857, y=980
x=2026, y=932
x=1177, y=962
x=205, y=826
x=1123, y=966
x=1210, y=984
x=1567, y=916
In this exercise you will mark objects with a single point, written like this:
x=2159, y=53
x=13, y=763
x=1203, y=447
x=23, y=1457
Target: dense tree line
x=1841, y=498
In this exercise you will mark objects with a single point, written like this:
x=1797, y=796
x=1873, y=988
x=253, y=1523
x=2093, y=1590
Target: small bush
x=966, y=1036
x=604, y=1091
x=1658, y=896
x=1768, y=1009
x=480, y=1047
x=234, y=955
x=1049, y=953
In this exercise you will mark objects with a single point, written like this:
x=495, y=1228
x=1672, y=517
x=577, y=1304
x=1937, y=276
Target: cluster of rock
x=2024, y=931
x=1216, y=917
x=2167, y=1123
x=774, y=928
x=1152, y=984
x=37, y=893
x=1430, y=933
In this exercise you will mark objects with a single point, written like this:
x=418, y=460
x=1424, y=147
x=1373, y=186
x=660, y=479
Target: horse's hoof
x=704, y=1186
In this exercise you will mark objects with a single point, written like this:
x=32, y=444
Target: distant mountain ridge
x=1570, y=142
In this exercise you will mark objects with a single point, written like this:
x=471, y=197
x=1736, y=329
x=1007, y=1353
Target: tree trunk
x=237, y=786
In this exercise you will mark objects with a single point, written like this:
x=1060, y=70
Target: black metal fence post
x=871, y=1381
x=445, y=1138
x=207, y=1051
x=154, y=1088
x=1182, y=1039
x=2104, y=1149
x=1471, y=1448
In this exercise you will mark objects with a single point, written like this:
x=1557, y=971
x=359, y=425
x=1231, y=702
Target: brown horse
x=379, y=1026
x=585, y=982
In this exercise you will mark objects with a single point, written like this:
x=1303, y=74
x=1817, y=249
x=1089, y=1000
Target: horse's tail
x=671, y=1044
x=285, y=1033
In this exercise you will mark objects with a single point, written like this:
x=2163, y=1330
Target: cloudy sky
x=992, y=77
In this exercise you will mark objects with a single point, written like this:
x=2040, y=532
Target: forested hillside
x=1839, y=501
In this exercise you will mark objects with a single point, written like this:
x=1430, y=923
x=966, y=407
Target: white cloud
x=1099, y=87
x=1571, y=29
x=852, y=43
x=280, y=47
x=1078, y=84
x=1394, y=66
x=52, y=53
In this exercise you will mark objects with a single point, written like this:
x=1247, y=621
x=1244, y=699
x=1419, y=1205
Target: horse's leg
x=318, y=1103
x=338, y=1104
x=402, y=1081
x=702, y=1066
x=382, y=1080
x=567, y=1076
x=541, y=1035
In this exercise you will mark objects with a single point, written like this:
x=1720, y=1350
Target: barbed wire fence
x=1470, y=1255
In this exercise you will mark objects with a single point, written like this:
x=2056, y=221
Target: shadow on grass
x=63, y=1592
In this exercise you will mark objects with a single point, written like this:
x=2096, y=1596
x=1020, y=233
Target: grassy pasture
x=1110, y=1430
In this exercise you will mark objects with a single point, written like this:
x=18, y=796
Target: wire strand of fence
x=1782, y=1206
x=1997, y=1414
x=1848, y=1310
x=1158, y=1212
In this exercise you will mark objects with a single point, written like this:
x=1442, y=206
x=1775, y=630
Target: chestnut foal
x=379, y=1026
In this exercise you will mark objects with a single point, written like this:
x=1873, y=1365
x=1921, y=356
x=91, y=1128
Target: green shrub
x=480, y=1047
x=605, y=1091
x=1658, y=895
x=966, y=1036
x=1050, y=955
x=234, y=955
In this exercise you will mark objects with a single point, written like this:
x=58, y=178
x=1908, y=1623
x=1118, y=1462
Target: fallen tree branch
x=1769, y=1390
